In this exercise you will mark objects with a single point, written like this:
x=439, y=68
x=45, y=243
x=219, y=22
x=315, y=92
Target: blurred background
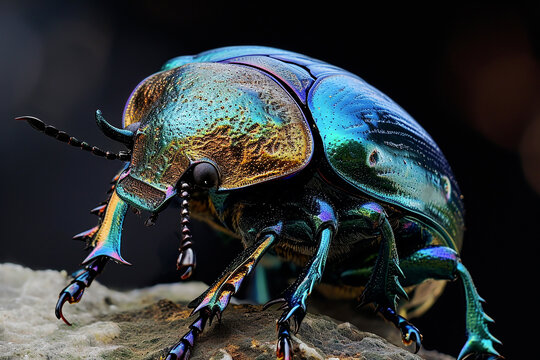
x=469, y=74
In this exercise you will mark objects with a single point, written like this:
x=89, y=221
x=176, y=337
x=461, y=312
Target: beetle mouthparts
x=141, y=195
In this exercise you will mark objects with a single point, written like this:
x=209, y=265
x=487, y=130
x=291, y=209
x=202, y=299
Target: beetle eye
x=205, y=175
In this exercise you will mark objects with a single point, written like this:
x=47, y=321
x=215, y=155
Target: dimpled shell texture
x=376, y=146
x=368, y=140
x=231, y=115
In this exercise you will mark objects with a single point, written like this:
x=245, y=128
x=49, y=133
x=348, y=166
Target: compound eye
x=205, y=175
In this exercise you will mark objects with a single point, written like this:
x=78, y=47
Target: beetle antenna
x=66, y=138
x=186, y=260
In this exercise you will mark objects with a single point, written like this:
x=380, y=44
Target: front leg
x=104, y=239
x=81, y=280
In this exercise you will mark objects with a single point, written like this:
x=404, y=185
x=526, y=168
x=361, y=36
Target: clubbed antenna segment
x=66, y=138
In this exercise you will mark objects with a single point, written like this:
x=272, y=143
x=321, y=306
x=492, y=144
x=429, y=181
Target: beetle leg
x=480, y=340
x=107, y=238
x=443, y=263
x=182, y=349
x=99, y=238
x=81, y=280
x=88, y=235
x=294, y=299
x=409, y=332
x=214, y=300
x=383, y=287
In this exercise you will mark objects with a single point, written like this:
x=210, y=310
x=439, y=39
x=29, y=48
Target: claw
x=297, y=313
x=411, y=334
x=64, y=296
x=292, y=309
x=275, y=301
x=72, y=294
x=180, y=351
x=82, y=279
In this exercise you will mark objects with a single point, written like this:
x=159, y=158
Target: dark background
x=468, y=74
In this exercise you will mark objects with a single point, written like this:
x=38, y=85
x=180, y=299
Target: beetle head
x=213, y=125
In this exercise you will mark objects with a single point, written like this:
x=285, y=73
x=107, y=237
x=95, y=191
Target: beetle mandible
x=293, y=155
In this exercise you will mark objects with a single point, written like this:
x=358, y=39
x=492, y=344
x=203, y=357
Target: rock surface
x=145, y=323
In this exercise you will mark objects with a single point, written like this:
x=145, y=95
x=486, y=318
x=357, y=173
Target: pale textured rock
x=141, y=324
x=29, y=328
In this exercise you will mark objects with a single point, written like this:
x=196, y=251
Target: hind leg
x=443, y=263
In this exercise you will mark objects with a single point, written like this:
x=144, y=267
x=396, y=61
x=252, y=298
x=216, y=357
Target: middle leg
x=294, y=299
x=324, y=222
x=214, y=300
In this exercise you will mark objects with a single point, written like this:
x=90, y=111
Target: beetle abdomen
x=376, y=146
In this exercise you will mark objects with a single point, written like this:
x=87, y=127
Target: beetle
x=295, y=156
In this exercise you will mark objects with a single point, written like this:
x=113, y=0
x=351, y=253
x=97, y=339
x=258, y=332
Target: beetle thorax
x=233, y=116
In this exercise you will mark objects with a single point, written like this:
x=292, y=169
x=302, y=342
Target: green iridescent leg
x=383, y=287
x=479, y=339
x=294, y=298
x=443, y=263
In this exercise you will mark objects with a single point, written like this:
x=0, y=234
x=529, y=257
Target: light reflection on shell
x=235, y=116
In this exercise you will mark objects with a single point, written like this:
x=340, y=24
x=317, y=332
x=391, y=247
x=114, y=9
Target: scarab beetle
x=293, y=155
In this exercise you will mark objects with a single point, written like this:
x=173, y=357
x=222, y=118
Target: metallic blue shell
x=368, y=140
